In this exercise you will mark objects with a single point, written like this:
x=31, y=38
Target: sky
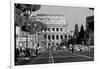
x=73, y=15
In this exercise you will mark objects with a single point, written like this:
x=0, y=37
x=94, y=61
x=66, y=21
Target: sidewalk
x=20, y=59
x=24, y=59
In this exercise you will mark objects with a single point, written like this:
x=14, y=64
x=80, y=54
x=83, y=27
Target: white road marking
x=84, y=56
x=19, y=61
x=49, y=59
x=22, y=60
x=52, y=59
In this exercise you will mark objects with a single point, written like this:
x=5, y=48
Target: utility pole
x=27, y=29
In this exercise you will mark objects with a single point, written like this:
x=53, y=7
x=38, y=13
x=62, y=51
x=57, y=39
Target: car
x=22, y=54
x=86, y=48
x=58, y=48
x=53, y=48
x=40, y=50
x=91, y=48
x=33, y=53
x=77, y=48
x=70, y=47
x=64, y=47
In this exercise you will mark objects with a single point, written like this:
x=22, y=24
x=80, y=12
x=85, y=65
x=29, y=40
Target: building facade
x=57, y=28
x=21, y=39
x=90, y=30
x=90, y=23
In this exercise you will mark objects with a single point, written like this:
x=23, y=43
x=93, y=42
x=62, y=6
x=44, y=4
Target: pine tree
x=81, y=34
x=76, y=31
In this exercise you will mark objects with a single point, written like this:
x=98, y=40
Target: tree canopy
x=27, y=7
x=34, y=26
x=76, y=31
x=81, y=35
x=20, y=16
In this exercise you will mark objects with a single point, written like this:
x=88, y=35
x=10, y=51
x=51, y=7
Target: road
x=56, y=57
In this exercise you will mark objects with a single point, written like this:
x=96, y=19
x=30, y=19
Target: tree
x=81, y=34
x=35, y=26
x=19, y=20
x=76, y=33
x=27, y=7
x=22, y=12
x=91, y=9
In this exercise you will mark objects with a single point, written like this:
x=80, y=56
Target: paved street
x=56, y=57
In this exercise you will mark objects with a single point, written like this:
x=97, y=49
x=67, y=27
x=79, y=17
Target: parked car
x=91, y=48
x=22, y=54
x=70, y=47
x=58, y=48
x=40, y=50
x=63, y=47
x=53, y=48
x=77, y=49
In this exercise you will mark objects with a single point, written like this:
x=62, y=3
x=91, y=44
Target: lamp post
x=26, y=30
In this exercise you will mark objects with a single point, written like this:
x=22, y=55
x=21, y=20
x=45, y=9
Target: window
x=57, y=43
x=48, y=44
x=65, y=36
x=49, y=37
x=53, y=29
x=60, y=29
x=45, y=36
x=57, y=29
x=41, y=18
x=57, y=37
x=48, y=29
x=48, y=19
x=52, y=43
x=53, y=37
x=61, y=37
x=69, y=36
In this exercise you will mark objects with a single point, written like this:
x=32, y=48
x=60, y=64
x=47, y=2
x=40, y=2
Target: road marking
x=51, y=58
x=22, y=59
x=19, y=61
x=81, y=55
x=84, y=56
x=58, y=56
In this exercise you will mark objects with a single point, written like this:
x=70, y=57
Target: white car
x=22, y=54
x=64, y=47
x=77, y=48
x=40, y=49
